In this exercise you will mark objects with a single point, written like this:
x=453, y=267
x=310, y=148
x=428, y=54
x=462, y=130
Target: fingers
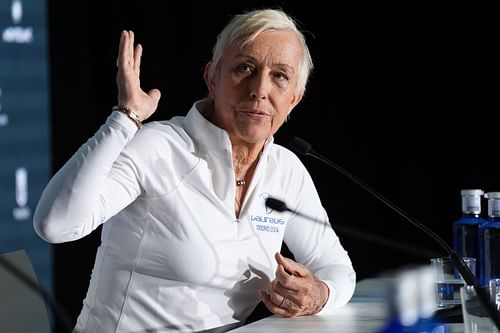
x=290, y=275
x=130, y=48
x=299, y=285
x=128, y=54
x=291, y=266
x=137, y=58
x=155, y=94
x=285, y=282
x=306, y=301
x=120, y=48
x=123, y=55
x=278, y=304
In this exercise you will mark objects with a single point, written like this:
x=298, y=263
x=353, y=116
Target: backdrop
x=405, y=97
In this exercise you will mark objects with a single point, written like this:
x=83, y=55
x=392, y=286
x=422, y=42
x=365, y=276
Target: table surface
x=365, y=313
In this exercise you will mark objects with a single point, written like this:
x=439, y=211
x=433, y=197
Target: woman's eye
x=244, y=68
x=281, y=76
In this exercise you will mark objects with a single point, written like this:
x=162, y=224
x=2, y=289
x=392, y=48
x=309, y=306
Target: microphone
x=304, y=148
x=277, y=205
x=280, y=206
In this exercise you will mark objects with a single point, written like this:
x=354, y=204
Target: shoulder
x=282, y=156
x=164, y=133
x=172, y=127
x=165, y=141
x=286, y=166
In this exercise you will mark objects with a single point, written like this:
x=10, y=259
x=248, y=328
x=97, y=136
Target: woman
x=187, y=242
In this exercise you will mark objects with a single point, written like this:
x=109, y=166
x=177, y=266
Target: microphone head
x=300, y=146
x=276, y=204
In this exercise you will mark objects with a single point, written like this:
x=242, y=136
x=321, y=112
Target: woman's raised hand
x=130, y=93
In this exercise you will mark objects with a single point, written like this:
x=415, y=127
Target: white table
x=365, y=313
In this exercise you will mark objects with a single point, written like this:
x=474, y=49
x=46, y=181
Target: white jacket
x=173, y=256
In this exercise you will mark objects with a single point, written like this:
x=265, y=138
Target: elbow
x=54, y=228
x=56, y=220
x=52, y=233
x=45, y=230
x=46, y=227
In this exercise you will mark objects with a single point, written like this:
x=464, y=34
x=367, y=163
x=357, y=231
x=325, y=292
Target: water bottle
x=489, y=240
x=466, y=229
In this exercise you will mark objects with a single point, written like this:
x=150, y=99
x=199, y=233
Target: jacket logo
x=266, y=223
x=266, y=219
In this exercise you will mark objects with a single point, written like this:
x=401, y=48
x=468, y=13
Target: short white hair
x=244, y=28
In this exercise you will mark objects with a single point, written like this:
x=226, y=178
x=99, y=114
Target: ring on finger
x=282, y=302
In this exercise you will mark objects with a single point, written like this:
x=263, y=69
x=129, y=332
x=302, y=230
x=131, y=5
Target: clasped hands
x=295, y=291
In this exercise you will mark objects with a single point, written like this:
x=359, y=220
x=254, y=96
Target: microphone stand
x=304, y=148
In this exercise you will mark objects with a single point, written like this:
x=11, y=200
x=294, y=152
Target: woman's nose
x=259, y=86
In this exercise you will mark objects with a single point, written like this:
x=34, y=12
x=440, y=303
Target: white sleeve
x=316, y=246
x=81, y=195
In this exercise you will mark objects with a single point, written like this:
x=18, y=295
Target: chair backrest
x=21, y=308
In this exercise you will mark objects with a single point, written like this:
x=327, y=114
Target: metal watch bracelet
x=130, y=113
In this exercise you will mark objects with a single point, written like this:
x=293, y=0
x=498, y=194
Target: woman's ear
x=295, y=100
x=208, y=75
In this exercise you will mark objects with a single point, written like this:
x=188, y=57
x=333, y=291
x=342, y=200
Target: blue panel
x=24, y=129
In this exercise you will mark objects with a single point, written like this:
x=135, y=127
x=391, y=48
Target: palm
x=128, y=82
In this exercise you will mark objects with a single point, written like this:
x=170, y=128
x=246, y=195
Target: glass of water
x=448, y=280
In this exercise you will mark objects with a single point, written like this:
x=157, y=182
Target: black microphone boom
x=304, y=148
x=277, y=205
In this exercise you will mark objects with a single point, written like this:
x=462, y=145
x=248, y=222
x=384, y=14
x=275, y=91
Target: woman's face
x=254, y=88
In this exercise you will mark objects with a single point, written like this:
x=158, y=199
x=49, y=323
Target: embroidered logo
x=267, y=223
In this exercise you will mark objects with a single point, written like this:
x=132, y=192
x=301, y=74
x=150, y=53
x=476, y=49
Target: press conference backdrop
x=24, y=129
